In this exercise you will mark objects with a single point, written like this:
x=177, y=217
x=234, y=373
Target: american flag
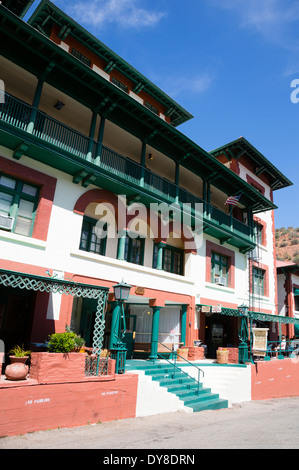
x=233, y=200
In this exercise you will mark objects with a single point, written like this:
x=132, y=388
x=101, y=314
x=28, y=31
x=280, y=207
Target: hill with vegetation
x=287, y=244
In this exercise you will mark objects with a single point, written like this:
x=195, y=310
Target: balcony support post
x=142, y=163
x=177, y=182
x=184, y=324
x=91, y=136
x=155, y=332
x=100, y=140
x=35, y=105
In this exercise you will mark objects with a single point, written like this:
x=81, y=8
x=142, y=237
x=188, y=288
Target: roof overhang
x=241, y=147
x=47, y=14
x=18, y=7
x=36, y=53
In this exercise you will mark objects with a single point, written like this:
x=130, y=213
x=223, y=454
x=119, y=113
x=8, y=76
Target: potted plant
x=18, y=369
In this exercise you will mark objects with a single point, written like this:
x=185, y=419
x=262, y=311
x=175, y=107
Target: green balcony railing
x=26, y=118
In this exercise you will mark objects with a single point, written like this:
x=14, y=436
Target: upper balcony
x=29, y=131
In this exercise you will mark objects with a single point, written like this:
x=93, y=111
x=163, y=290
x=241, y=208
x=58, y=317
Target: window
x=151, y=108
x=91, y=239
x=258, y=233
x=258, y=281
x=296, y=299
x=219, y=269
x=81, y=57
x=134, y=250
x=19, y=201
x=119, y=84
x=172, y=259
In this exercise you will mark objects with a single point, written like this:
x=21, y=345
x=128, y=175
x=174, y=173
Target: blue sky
x=228, y=62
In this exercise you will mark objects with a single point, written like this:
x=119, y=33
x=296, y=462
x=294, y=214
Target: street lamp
x=243, y=334
x=117, y=347
x=121, y=291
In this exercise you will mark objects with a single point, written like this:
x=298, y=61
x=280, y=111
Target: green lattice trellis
x=62, y=286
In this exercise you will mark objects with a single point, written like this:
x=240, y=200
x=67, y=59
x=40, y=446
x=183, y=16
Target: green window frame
x=19, y=200
x=134, y=249
x=172, y=259
x=89, y=240
x=258, y=281
x=219, y=267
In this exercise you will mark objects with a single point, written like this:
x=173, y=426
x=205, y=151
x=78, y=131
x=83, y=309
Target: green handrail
x=175, y=354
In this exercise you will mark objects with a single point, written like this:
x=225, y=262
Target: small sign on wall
x=259, y=346
x=139, y=290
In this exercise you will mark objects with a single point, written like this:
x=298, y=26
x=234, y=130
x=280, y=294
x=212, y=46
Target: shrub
x=62, y=342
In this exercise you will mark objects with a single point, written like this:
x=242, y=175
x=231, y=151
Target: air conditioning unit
x=221, y=281
x=6, y=222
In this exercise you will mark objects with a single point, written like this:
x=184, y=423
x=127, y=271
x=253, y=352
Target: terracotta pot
x=17, y=370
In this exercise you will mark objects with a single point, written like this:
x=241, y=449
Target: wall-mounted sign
x=216, y=308
x=139, y=290
x=205, y=309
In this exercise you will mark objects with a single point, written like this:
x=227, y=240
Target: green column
x=121, y=245
x=115, y=324
x=142, y=163
x=184, y=324
x=35, y=104
x=155, y=332
x=91, y=136
x=177, y=182
x=100, y=140
x=160, y=256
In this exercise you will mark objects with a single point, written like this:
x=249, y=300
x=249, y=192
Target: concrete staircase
x=191, y=397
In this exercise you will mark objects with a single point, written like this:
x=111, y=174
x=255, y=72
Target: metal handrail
x=175, y=366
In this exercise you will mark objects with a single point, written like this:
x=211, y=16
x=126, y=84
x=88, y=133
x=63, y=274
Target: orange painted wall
x=275, y=379
x=32, y=407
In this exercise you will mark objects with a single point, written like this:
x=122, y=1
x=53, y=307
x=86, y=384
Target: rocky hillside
x=287, y=244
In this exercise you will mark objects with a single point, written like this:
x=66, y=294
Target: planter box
x=49, y=367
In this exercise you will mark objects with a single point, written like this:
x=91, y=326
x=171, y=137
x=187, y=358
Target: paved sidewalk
x=269, y=424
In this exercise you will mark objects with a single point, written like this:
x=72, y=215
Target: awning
x=209, y=310
x=62, y=286
x=296, y=291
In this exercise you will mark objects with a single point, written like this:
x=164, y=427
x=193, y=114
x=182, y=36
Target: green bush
x=62, y=342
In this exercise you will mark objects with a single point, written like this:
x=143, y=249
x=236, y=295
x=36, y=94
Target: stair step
x=205, y=395
x=192, y=392
x=213, y=404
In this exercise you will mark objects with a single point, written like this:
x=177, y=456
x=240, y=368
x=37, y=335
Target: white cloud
x=126, y=13
x=271, y=18
x=177, y=86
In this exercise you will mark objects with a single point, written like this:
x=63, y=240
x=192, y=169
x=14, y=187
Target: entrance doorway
x=218, y=334
x=16, y=316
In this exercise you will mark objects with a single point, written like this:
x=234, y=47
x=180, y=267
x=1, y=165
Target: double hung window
x=219, y=269
x=258, y=281
x=93, y=236
x=134, y=250
x=18, y=201
x=172, y=259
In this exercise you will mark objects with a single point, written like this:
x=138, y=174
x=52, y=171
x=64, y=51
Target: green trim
x=47, y=9
x=265, y=166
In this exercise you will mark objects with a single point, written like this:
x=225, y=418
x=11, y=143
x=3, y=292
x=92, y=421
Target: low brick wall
x=277, y=378
x=233, y=355
x=58, y=394
x=194, y=352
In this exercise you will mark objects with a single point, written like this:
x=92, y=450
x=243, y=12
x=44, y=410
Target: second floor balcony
x=29, y=131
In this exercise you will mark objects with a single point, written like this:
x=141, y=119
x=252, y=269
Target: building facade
x=98, y=185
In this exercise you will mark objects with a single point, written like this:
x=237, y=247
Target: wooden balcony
x=28, y=130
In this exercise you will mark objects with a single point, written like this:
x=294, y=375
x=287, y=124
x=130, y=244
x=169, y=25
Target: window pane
x=7, y=182
x=167, y=260
x=30, y=190
x=26, y=208
x=23, y=226
x=5, y=202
